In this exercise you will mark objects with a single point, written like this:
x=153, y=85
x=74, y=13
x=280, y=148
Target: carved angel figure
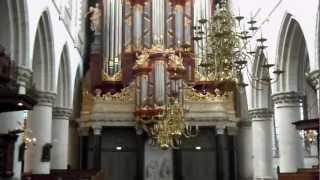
x=95, y=17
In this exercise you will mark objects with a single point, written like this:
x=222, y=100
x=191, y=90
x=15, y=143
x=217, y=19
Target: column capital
x=260, y=113
x=45, y=98
x=61, y=113
x=315, y=78
x=287, y=97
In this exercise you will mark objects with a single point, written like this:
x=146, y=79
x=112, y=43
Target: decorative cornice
x=45, y=98
x=314, y=77
x=261, y=113
x=60, y=113
x=287, y=97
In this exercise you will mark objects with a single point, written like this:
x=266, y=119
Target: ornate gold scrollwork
x=126, y=95
x=192, y=95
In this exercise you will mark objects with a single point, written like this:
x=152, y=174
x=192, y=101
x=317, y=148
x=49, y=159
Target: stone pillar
x=222, y=154
x=245, y=150
x=262, y=143
x=60, y=137
x=40, y=122
x=288, y=109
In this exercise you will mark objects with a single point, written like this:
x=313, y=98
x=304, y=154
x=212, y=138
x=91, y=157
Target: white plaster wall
x=304, y=13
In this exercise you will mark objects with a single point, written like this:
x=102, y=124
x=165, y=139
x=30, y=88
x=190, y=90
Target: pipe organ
x=149, y=84
x=112, y=35
x=131, y=25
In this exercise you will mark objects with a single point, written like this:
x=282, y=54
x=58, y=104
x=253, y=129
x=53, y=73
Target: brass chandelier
x=169, y=131
x=225, y=47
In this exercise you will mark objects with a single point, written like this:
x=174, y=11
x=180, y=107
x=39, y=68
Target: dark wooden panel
x=200, y=164
x=115, y=163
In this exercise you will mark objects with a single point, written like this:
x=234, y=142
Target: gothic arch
x=14, y=31
x=64, y=90
x=43, y=63
x=292, y=56
x=261, y=90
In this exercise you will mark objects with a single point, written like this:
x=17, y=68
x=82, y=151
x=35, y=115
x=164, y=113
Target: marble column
x=262, y=143
x=222, y=154
x=288, y=109
x=40, y=122
x=245, y=150
x=60, y=137
x=14, y=120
